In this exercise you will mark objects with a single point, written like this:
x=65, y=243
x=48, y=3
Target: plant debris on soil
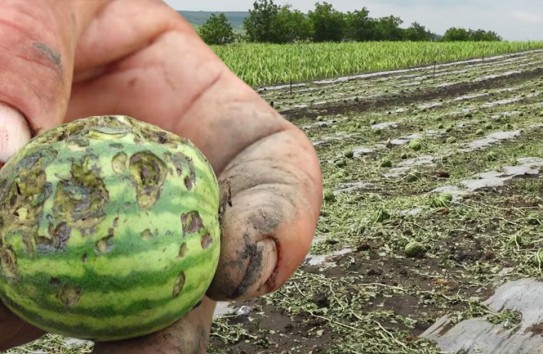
x=433, y=199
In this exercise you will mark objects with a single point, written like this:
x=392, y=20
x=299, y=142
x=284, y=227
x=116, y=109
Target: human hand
x=67, y=60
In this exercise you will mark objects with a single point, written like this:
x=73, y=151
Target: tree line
x=268, y=22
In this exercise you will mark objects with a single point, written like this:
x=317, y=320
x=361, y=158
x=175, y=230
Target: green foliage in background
x=217, y=30
x=265, y=64
x=268, y=22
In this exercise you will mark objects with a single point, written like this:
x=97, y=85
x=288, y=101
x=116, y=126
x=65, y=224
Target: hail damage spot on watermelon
x=117, y=146
x=28, y=242
x=146, y=234
x=148, y=173
x=31, y=182
x=189, y=182
x=26, y=193
x=116, y=221
x=206, y=240
x=119, y=162
x=105, y=244
x=191, y=222
x=182, y=163
x=57, y=240
x=179, y=283
x=107, y=133
x=21, y=214
x=8, y=263
x=70, y=295
x=183, y=250
x=81, y=200
x=154, y=135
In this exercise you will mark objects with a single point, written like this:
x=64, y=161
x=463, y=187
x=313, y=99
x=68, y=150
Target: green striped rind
x=101, y=330
x=124, y=261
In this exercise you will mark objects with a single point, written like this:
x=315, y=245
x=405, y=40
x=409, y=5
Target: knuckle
x=32, y=76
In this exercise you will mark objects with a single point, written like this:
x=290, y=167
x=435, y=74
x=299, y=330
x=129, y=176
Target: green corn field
x=267, y=64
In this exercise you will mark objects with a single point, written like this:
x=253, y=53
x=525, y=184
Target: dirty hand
x=67, y=60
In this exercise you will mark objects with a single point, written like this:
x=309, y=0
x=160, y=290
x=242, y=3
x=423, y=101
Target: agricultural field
x=433, y=201
x=266, y=64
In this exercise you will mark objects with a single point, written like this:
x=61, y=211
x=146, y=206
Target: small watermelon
x=109, y=229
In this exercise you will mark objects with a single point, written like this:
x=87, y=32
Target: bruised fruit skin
x=108, y=229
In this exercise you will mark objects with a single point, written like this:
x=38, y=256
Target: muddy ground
x=433, y=198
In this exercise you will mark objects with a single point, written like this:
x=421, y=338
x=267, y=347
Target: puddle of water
x=316, y=260
x=490, y=139
x=477, y=335
x=384, y=125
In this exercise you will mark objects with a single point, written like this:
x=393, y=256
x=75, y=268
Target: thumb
x=38, y=41
x=14, y=132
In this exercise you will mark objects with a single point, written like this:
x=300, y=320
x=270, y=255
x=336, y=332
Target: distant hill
x=198, y=18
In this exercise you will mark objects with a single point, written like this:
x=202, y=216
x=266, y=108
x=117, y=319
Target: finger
x=268, y=225
x=14, y=132
x=188, y=335
x=14, y=331
x=37, y=41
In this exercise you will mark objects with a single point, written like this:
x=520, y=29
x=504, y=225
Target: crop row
x=267, y=64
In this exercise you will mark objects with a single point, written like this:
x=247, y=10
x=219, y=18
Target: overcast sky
x=511, y=19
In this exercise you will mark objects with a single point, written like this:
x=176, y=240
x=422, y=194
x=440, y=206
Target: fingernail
x=14, y=132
